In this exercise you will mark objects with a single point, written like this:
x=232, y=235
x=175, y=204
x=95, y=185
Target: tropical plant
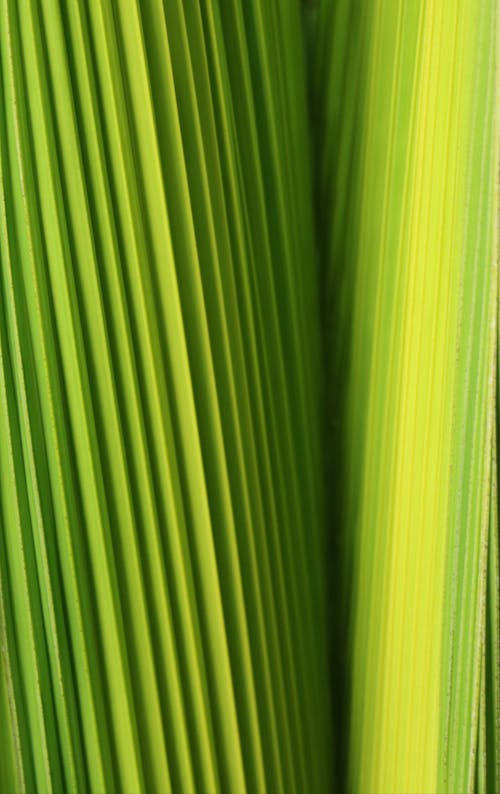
x=248, y=403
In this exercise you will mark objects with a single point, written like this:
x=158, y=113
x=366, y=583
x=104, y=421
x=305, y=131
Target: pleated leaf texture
x=248, y=401
x=162, y=610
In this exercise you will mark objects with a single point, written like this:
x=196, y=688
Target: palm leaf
x=248, y=399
